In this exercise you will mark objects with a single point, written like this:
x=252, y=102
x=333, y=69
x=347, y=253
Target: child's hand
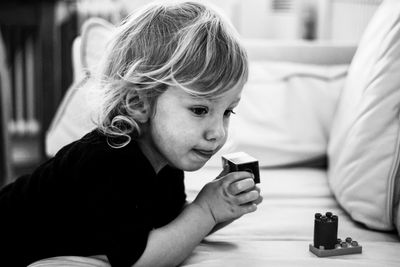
x=230, y=196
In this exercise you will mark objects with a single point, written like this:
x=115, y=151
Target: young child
x=171, y=79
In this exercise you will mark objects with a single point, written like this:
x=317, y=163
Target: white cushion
x=285, y=113
x=74, y=116
x=96, y=33
x=364, y=143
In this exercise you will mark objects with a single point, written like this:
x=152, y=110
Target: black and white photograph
x=199, y=133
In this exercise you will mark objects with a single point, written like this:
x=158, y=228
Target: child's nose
x=215, y=132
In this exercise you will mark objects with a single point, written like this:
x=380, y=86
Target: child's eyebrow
x=202, y=98
x=214, y=99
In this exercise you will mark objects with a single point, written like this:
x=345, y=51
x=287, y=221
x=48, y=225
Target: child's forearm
x=173, y=243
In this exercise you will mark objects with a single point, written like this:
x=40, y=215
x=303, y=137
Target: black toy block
x=326, y=243
x=240, y=161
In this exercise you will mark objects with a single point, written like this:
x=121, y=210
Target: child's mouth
x=206, y=154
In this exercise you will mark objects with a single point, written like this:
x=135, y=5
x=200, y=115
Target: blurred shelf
x=47, y=28
x=25, y=154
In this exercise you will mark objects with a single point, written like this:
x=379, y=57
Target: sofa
x=322, y=119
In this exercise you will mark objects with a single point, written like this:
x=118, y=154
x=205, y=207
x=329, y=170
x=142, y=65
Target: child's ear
x=142, y=114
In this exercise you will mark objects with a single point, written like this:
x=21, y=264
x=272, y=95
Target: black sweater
x=90, y=199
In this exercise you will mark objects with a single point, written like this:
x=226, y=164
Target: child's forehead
x=229, y=97
x=196, y=94
x=212, y=98
x=215, y=99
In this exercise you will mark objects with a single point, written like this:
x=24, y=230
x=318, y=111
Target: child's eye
x=199, y=111
x=229, y=112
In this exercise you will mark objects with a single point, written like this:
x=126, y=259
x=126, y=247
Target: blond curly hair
x=185, y=44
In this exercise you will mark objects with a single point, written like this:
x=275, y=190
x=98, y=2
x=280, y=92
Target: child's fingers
x=233, y=177
x=247, y=197
x=241, y=186
x=247, y=208
x=258, y=200
x=236, y=176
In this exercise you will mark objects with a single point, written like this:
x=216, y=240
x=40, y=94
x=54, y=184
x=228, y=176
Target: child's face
x=186, y=131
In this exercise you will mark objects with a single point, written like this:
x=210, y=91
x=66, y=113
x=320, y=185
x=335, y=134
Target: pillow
x=365, y=137
x=285, y=113
x=73, y=118
x=96, y=33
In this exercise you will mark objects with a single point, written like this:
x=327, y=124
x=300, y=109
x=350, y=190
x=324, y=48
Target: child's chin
x=194, y=167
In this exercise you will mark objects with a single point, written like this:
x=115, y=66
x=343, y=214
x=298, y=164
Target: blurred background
x=36, y=64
